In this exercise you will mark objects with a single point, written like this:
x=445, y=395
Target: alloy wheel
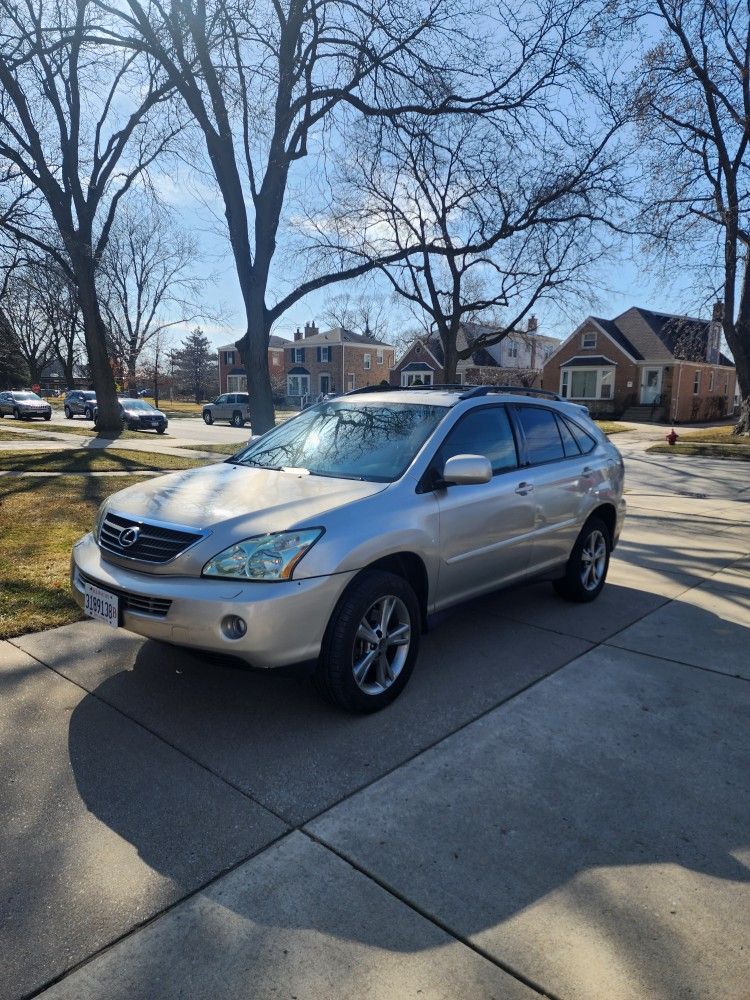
x=381, y=645
x=593, y=560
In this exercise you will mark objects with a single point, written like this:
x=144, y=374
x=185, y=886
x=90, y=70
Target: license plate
x=102, y=605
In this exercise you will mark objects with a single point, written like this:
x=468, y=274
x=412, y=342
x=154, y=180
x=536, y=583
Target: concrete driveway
x=558, y=805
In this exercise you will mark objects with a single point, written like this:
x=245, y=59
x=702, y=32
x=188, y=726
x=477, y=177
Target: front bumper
x=285, y=621
x=36, y=411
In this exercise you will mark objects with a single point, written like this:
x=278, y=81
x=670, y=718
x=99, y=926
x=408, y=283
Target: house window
x=298, y=385
x=325, y=355
x=564, y=384
x=588, y=339
x=379, y=355
x=415, y=378
x=697, y=382
x=298, y=355
x=711, y=380
x=607, y=382
x=228, y=357
x=351, y=381
x=583, y=385
x=236, y=383
x=512, y=349
x=367, y=362
x=275, y=359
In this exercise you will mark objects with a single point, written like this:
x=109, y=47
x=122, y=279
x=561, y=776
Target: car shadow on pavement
x=582, y=774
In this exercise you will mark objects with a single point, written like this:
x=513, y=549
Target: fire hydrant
x=672, y=437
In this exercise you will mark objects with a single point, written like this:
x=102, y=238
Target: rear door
x=485, y=530
x=559, y=483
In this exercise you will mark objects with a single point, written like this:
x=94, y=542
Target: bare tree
x=265, y=83
x=77, y=130
x=147, y=284
x=24, y=311
x=489, y=219
x=693, y=101
x=366, y=314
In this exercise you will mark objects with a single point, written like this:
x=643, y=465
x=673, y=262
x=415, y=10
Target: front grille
x=157, y=607
x=153, y=544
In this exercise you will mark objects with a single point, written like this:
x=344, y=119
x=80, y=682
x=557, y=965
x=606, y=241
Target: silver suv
x=330, y=540
x=231, y=406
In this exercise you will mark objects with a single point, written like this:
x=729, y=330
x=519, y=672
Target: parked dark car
x=138, y=415
x=80, y=402
x=23, y=405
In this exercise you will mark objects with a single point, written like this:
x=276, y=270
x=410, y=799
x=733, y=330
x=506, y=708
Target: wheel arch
x=605, y=512
x=411, y=567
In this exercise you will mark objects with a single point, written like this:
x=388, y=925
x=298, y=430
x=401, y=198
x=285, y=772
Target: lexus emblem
x=128, y=537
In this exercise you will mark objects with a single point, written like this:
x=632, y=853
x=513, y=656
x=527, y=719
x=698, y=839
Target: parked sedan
x=138, y=415
x=231, y=406
x=332, y=539
x=81, y=402
x=24, y=406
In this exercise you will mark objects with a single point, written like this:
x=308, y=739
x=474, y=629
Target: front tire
x=88, y=414
x=207, y=418
x=371, y=643
x=237, y=419
x=160, y=430
x=16, y=414
x=68, y=413
x=586, y=570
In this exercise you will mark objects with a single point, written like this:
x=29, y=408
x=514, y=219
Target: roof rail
x=486, y=390
x=407, y=388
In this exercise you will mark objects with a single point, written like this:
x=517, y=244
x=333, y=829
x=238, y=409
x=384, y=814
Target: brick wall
x=345, y=360
x=709, y=403
x=626, y=387
x=417, y=353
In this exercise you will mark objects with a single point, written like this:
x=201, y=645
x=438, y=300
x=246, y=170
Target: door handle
x=523, y=488
x=587, y=470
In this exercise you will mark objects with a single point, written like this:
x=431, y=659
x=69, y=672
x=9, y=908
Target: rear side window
x=543, y=442
x=485, y=431
x=570, y=446
x=584, y=441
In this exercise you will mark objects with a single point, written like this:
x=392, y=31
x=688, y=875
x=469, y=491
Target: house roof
x=273, y=341
x=655, y=336
x=595, y=361
x=298, y=371
x=417, y=366
x=337, y=335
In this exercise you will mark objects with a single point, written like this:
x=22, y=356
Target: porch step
x=642, y=414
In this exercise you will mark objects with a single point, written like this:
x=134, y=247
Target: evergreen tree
x=196, y=366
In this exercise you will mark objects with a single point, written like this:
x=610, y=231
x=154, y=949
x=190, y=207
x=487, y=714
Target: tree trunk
x=253, y=348
x=738, y=338
x=131, y=372
x=450, y=352
x=100, y=370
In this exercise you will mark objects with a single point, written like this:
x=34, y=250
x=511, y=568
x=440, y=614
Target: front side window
x=345, y=440
x=485, y=431
x=543, y=442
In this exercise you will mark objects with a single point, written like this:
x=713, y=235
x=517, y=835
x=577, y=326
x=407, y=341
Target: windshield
x=347, y=440
x=89, y=395
x=136, y=404
x=26, y=395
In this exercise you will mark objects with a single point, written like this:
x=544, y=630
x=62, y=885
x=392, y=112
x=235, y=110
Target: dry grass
x=87, y=431
x=39, y=521
x=712, y=442
x=93, y=460
x=612, y=427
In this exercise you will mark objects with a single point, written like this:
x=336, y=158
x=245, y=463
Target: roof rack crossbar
x=486, y=390
x=405, y=388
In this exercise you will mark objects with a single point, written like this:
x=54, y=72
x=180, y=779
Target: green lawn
x=218, y=449
x=713, y=442
x=39, y=521
x=87, y=431
x=10, y=436
x=94, y=460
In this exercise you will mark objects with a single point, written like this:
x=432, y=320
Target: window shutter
x=319, y=357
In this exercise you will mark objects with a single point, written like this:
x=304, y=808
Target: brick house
x=335, y=360
x=518, y=357
x=645, y=365
x=232, y=377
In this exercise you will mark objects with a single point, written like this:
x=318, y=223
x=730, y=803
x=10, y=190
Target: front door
x=325, y=384
x=650, y=385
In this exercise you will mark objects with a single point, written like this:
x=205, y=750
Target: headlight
x=100, y=515
x=266, y=557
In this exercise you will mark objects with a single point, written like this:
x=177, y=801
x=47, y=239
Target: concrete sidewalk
x=557, y=806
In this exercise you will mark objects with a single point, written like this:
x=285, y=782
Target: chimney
x=713, y=340
x=533, y=324
x=298, y=334
x=311, y=330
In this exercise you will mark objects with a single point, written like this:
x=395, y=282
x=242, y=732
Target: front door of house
x=325, y=384
x=650, y=385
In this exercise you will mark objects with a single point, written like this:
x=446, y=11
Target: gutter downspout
x=676, y=408
x=343, y=367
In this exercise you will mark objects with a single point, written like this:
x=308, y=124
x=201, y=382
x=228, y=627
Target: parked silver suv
x=331, y=539
x=231, y=406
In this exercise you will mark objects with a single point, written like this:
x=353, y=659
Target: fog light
x=233, y=627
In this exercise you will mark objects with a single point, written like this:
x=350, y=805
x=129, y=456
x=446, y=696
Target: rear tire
x=88, y=414
x=16, y=414
x=359, y=669
x=160, y=430
x=586, y=570
x=207, y=417
x=47, y=416
x=237, y=419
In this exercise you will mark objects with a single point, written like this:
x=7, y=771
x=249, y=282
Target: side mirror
x=466, y=470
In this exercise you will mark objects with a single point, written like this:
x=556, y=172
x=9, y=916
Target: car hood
x=237, y=501
x=136, y=411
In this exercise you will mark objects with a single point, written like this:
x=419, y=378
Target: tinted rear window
x=584, y=441
x=543, y=443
